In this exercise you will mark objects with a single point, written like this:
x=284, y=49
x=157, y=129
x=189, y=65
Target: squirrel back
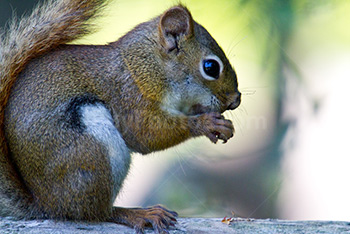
x=52, y=24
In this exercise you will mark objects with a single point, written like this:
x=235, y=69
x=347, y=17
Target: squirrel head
x=177, y=62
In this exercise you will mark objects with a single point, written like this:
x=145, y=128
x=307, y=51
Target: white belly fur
x=99, y=124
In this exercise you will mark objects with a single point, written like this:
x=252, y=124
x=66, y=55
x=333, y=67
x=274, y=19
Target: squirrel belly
x=99, y=123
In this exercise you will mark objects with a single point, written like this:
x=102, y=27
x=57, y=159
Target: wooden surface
x=185, y=225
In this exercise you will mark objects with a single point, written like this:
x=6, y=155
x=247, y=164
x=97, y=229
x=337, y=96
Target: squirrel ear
x=173, y=23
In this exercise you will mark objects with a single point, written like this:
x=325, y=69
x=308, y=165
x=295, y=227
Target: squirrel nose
x=236, y=97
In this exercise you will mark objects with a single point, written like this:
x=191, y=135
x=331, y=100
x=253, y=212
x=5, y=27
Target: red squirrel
x=71, y=115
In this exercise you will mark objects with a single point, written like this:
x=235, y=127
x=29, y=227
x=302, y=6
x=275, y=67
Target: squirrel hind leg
x=102, y=162
x=157, y=217
x=76, y=184
x=79, y=175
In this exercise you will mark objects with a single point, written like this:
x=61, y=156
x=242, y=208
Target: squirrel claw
x=157, y=217
x=214, y=126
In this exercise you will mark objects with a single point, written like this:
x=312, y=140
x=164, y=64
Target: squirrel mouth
x=198, y=109
x=234, y=105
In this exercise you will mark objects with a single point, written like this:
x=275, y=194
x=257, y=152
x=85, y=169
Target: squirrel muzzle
x=234, y=101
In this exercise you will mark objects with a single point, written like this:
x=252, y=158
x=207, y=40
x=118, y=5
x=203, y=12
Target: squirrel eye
x=211, y=68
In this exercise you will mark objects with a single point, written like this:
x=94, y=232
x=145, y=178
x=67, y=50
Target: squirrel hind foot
x=157, y=217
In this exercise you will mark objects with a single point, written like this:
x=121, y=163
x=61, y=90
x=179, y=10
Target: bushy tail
x=50, y=25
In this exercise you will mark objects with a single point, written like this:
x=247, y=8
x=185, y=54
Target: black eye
x=211, y=68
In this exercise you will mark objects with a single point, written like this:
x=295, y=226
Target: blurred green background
x=290, y=156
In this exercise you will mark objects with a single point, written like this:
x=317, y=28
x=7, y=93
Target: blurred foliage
x=9, y=8
x=279, y=19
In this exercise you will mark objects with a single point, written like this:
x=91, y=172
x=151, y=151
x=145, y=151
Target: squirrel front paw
x=212, y=125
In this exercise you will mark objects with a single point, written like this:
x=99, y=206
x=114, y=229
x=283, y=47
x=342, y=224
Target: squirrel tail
x=52, y=24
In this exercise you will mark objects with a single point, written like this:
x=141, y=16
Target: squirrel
x=71, y=115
